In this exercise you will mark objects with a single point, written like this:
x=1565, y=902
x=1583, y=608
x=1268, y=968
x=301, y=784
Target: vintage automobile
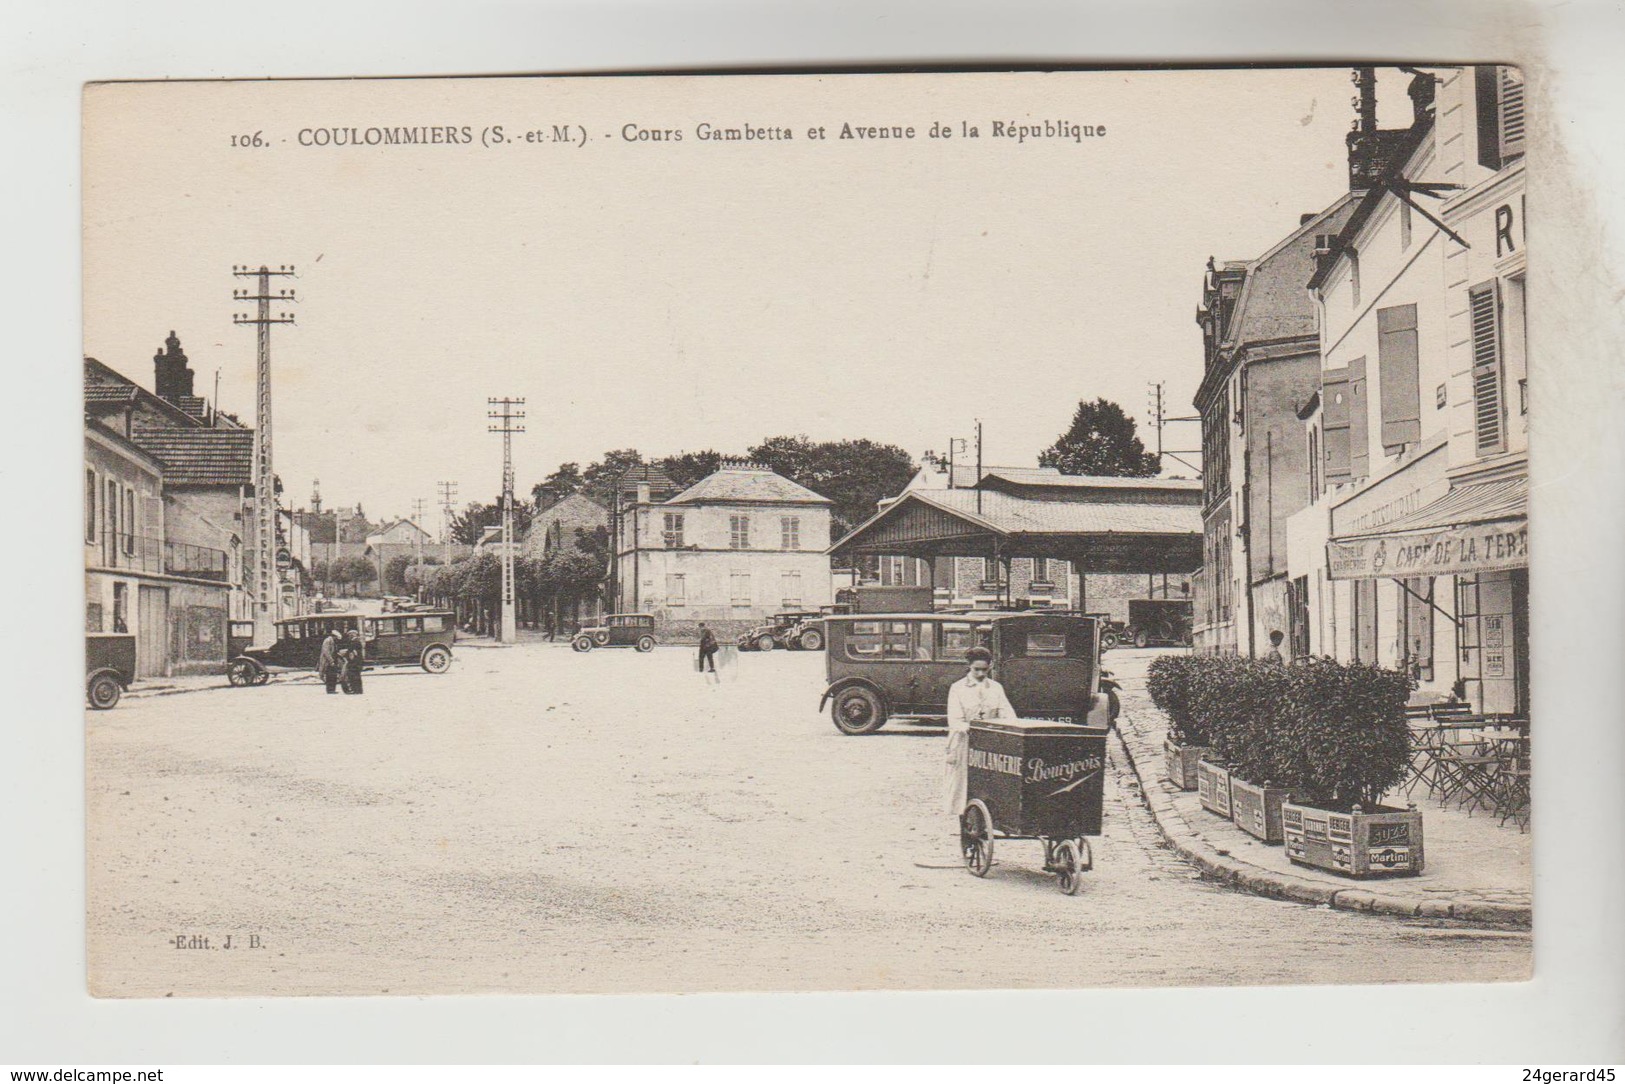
x=617, y=630
x=109, y=667
x=405, y=639
x=883, y=666
x=794, y=630
x=1159, y=621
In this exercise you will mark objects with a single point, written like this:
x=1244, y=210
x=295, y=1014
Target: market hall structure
x=1146, y=526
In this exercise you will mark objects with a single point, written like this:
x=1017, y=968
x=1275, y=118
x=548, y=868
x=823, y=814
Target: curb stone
x=1262, y=882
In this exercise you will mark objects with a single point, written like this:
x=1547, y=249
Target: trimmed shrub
x=1171, y=683
x=1241, y=700
x=1343, y=739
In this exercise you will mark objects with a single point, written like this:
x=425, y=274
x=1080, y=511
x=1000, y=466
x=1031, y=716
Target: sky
x=680, y=296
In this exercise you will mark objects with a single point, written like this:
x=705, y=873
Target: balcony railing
x=138, y=553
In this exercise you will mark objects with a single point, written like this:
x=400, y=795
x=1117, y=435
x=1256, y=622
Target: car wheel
x=103, y=692
x=858, y=711
x=1142, y=638
x=812, y=640
x=582, y=643
x=437, y=660
x=241, y=672
x=646, y=643
x=600, y=638
x=1108, y=640
x=765, y=642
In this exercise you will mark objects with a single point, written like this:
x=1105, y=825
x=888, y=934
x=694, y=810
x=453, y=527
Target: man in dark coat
x=350, y=654
x=328, y=664
x=708, y=652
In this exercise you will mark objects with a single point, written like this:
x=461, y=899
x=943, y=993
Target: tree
x=359, y=571
x=557, y=486
x=598, y=481
x=469, y=525
x=854, y=474
x=1101, y=441
x=686, y=468
x=395, y=570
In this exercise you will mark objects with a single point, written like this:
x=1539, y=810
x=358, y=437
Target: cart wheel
x=262, y=677
x=103, y=692
x=1069, y=866
x=241, y=672
x=976, y=837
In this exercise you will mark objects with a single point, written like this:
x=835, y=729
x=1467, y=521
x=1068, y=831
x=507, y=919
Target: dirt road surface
x=538, y=821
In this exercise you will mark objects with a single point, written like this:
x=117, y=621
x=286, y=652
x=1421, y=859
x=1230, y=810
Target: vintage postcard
x=807, y=532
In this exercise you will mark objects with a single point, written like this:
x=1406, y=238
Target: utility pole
x=267, y=590
x=1159, y=418
x=978, y=482
x=448, y=508
x=506, y=416
x=418, y=504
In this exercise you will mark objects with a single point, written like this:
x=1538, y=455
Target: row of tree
x=547, y=589
x=854, y=474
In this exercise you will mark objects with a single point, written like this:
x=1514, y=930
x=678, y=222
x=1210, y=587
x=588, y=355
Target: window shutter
x=1397, y=371
x=1359, y=421
x=1334, y=409
x=1484, y=311
x=1509, y=111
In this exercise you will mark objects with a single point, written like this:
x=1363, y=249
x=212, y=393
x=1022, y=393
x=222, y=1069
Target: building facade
x=1415, y=553
x=733, y=548
x=172, y=596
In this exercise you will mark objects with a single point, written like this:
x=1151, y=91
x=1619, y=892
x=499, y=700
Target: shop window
x=1416, y=629
x=121, y=607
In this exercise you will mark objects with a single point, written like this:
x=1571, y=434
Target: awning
x=1482, y=527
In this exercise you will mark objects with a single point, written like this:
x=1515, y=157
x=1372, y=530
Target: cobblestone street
x=542, y=821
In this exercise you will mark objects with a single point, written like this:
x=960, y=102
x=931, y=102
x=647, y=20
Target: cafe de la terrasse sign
x=1485, y=547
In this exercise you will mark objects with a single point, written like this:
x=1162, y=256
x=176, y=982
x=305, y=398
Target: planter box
x=1181, y=763
x=1213, y=788
x=1257, y=810
x=1375, y=843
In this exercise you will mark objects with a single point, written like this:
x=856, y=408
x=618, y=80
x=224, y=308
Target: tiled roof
x=110, y=393
x=201, y=457
x=748, y=486
x=1008, y=513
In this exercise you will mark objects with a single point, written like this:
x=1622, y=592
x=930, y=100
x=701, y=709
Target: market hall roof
x=1101, y=525
x=747, y=485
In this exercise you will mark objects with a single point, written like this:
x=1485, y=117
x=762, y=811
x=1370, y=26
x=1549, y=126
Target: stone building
x=731, y=549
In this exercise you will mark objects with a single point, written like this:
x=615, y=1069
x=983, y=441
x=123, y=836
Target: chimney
x=172, y=379
x=643, y=492
x=1421, y=91
x=1305, y=219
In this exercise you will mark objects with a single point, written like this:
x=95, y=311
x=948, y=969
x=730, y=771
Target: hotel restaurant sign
x=1484, y=547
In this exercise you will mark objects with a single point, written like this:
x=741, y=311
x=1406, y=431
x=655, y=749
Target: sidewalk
x=1476, y=871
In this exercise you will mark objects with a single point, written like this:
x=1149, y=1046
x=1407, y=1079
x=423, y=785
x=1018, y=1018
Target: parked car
x=109, y=667
x=875, y=598
x=883, y=666
x=414, y=639
x=794, y=630
x=618, y=630
x=1159, y=621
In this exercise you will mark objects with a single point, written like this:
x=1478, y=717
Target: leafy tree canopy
x=1101, y=441
x=469, y=524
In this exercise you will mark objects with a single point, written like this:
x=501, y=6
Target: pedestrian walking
x=972, y=699
x=328, y=664
x=351, y=656
x=1274, y=653
x=707, y=661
